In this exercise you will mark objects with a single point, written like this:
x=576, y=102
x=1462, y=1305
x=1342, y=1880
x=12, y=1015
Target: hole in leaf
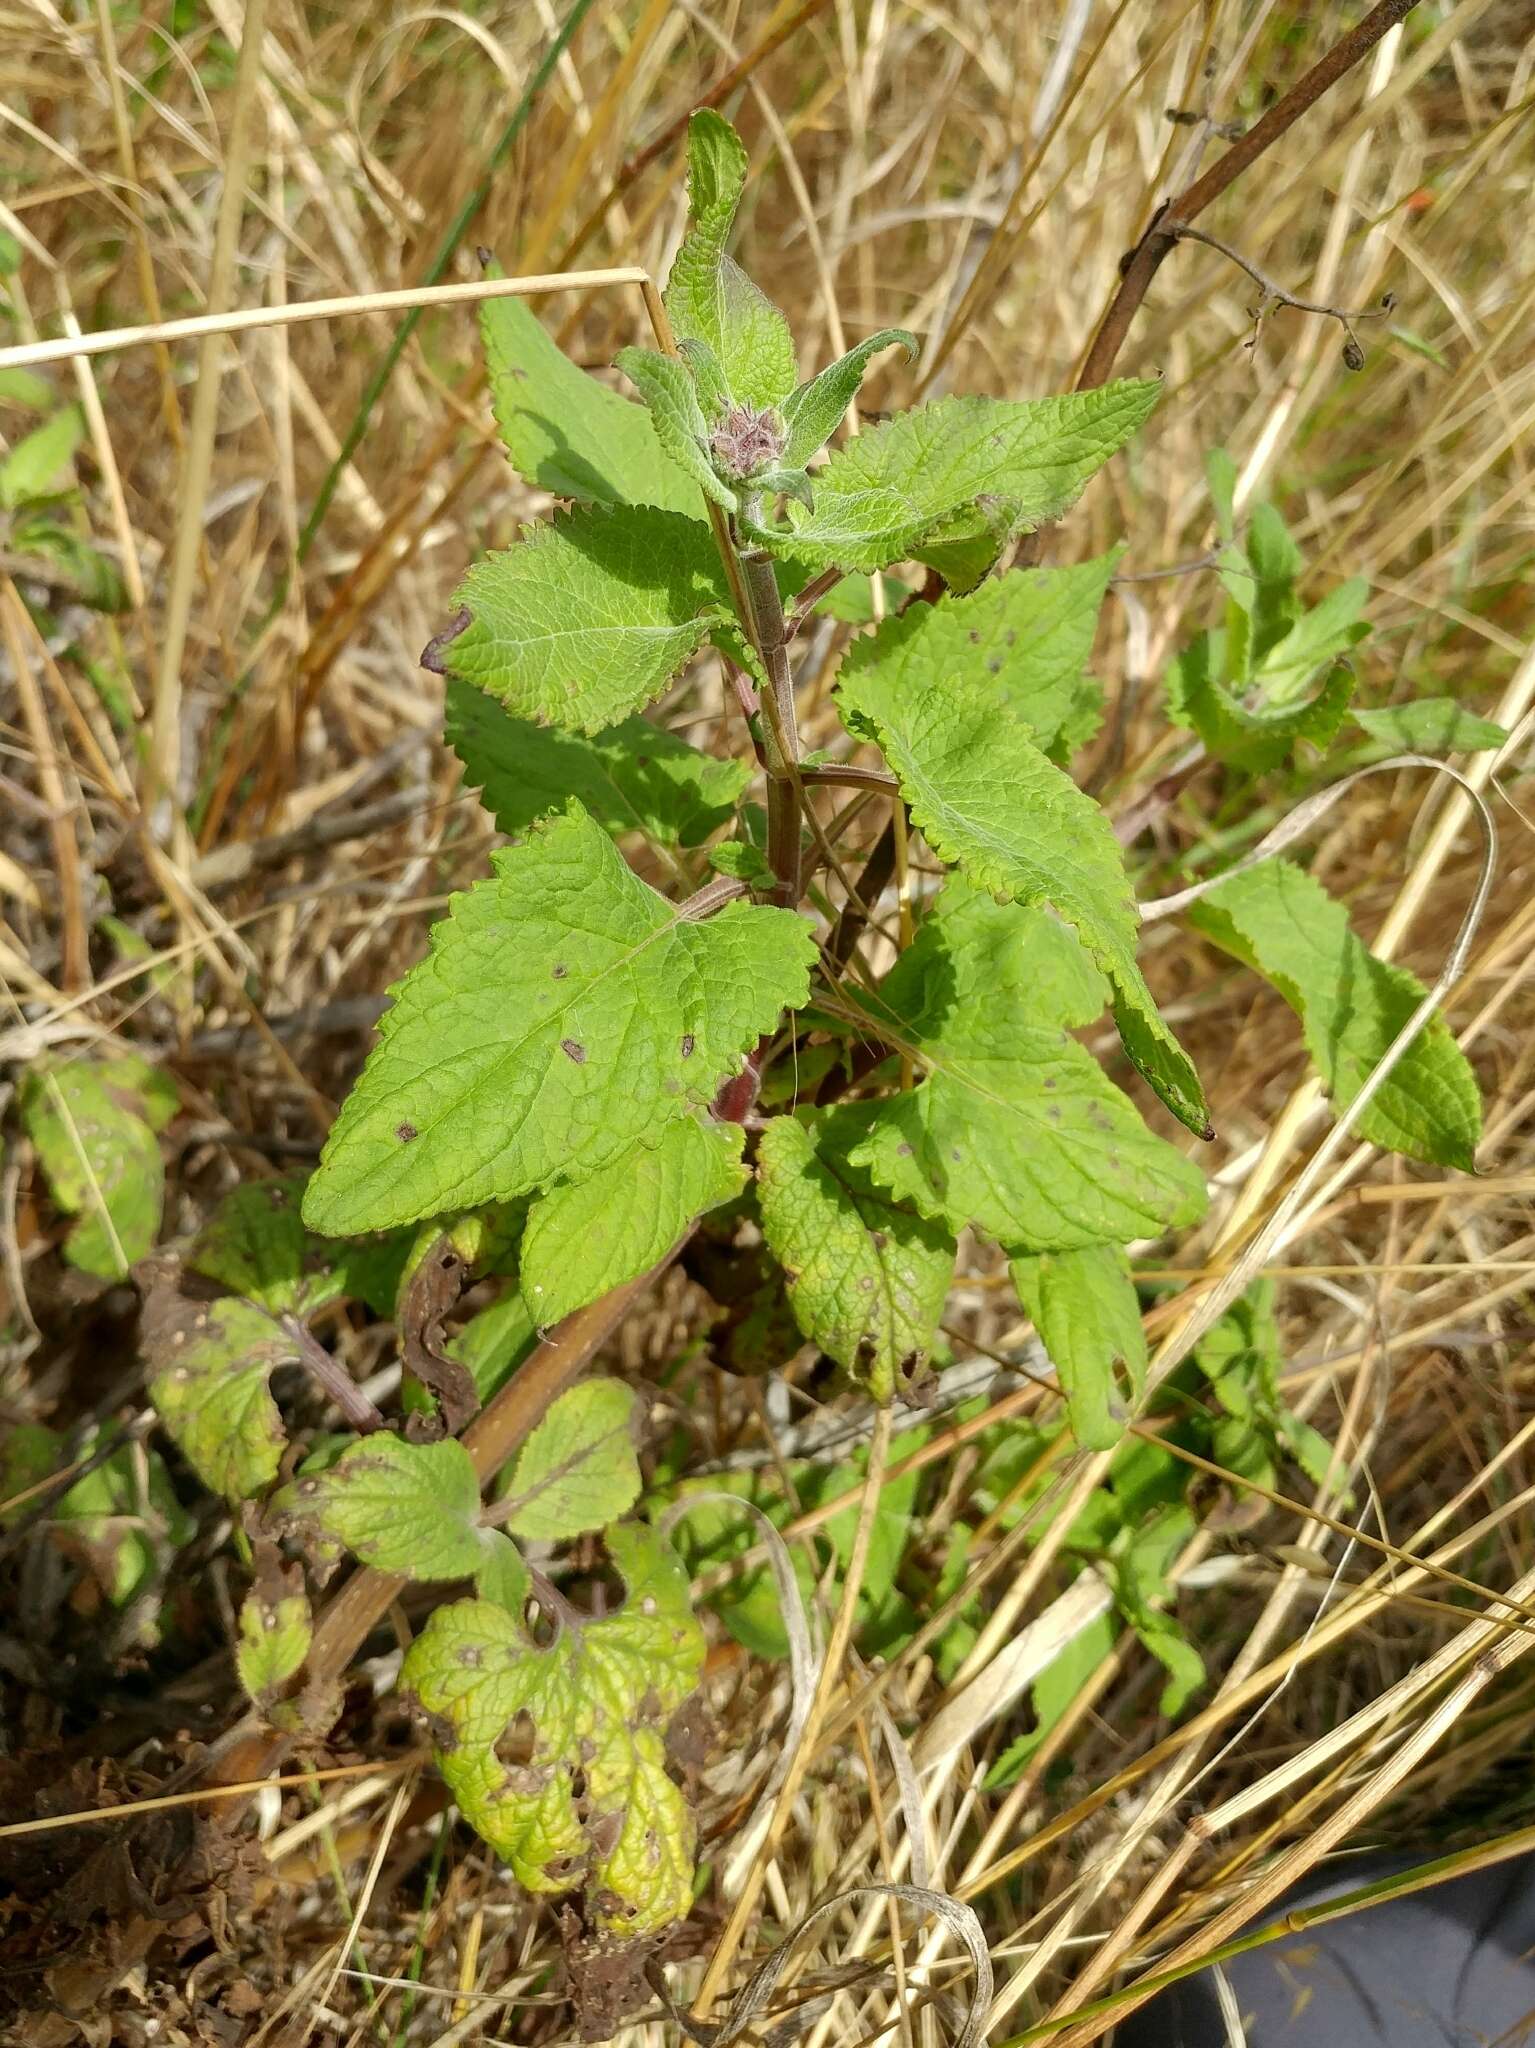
x=518, y=1739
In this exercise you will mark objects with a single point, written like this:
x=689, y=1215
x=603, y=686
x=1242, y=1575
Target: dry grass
x=973, y=172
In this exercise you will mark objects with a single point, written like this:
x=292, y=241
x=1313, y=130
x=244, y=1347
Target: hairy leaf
x=867, y=1276
x=589, y=617
x=93, y=1122
x=1279, y=920
x=577, y=1471
x=400, y=1507
x=1015, y=1128
x=988, y=799
x=590, y=1801
x=1431, y=725
x=813, y=413
x=708, y=295
x=566, y=432
x=565, y=1012
x=634, y=777
x=979, y=470
x=585, y=1239
x=1083, y=1305
x=1257, y=740
x=209, y=1364
x=667, y=387
x=1024, y=638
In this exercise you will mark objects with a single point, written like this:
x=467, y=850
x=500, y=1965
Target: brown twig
x=1275, y=295
x=1146, y=259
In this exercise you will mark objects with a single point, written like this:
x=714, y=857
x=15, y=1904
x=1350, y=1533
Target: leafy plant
x=667, y=1003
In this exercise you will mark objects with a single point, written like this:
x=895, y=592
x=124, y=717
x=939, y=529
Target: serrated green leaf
x=1431, y=725
x=592, y=1802
x=94, y=1124
x=400, y=1507
x=32, y=468
x=566, y=432
x=671, y=398
x=589, y=617
x=708, y=295
x=273, y=1642
x=634, y=777
x=585, y=1239
x=1256, y=740
x=1029, y=965
x=1084, y=1307
x=987, y=799
x=209, y=1364
x=1280, y=921
x=970, y=473
x=255, y=1244
x=708, y=377
x=1016, y=1129
x=1024, y=638
x=867, y=1276
x=577, y=1471
x=813, y=413
x=1318, y=639
x=565, y=1012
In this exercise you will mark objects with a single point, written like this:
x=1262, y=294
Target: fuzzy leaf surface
x=93, y=1123
x=1084, y=1307
x=813, y=412
x=586, y=1238
x=566, y=432
x=577, y=1471
x=867, y=1276
x=939, y=469
x=635, y=777
x=671, y=397
x=1280, y=921
x=209, y=1364
x=1024, y=637
x=400, y=1507
x=593, y=1802
x=1015, y=1129
x=990, y=801
x=708, y=295
x=589, y=617
x=1431, y=725
x=564, y=1013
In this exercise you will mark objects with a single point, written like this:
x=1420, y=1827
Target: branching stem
x=1275, y=295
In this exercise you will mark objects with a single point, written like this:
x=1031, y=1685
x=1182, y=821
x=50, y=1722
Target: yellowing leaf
x=209, y=1364
x=589, y=1801
x=94, y=1122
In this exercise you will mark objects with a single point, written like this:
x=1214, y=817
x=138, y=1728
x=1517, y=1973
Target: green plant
x=586, y=1063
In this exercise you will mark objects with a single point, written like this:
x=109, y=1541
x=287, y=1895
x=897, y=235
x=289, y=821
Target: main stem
x=780, y=727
